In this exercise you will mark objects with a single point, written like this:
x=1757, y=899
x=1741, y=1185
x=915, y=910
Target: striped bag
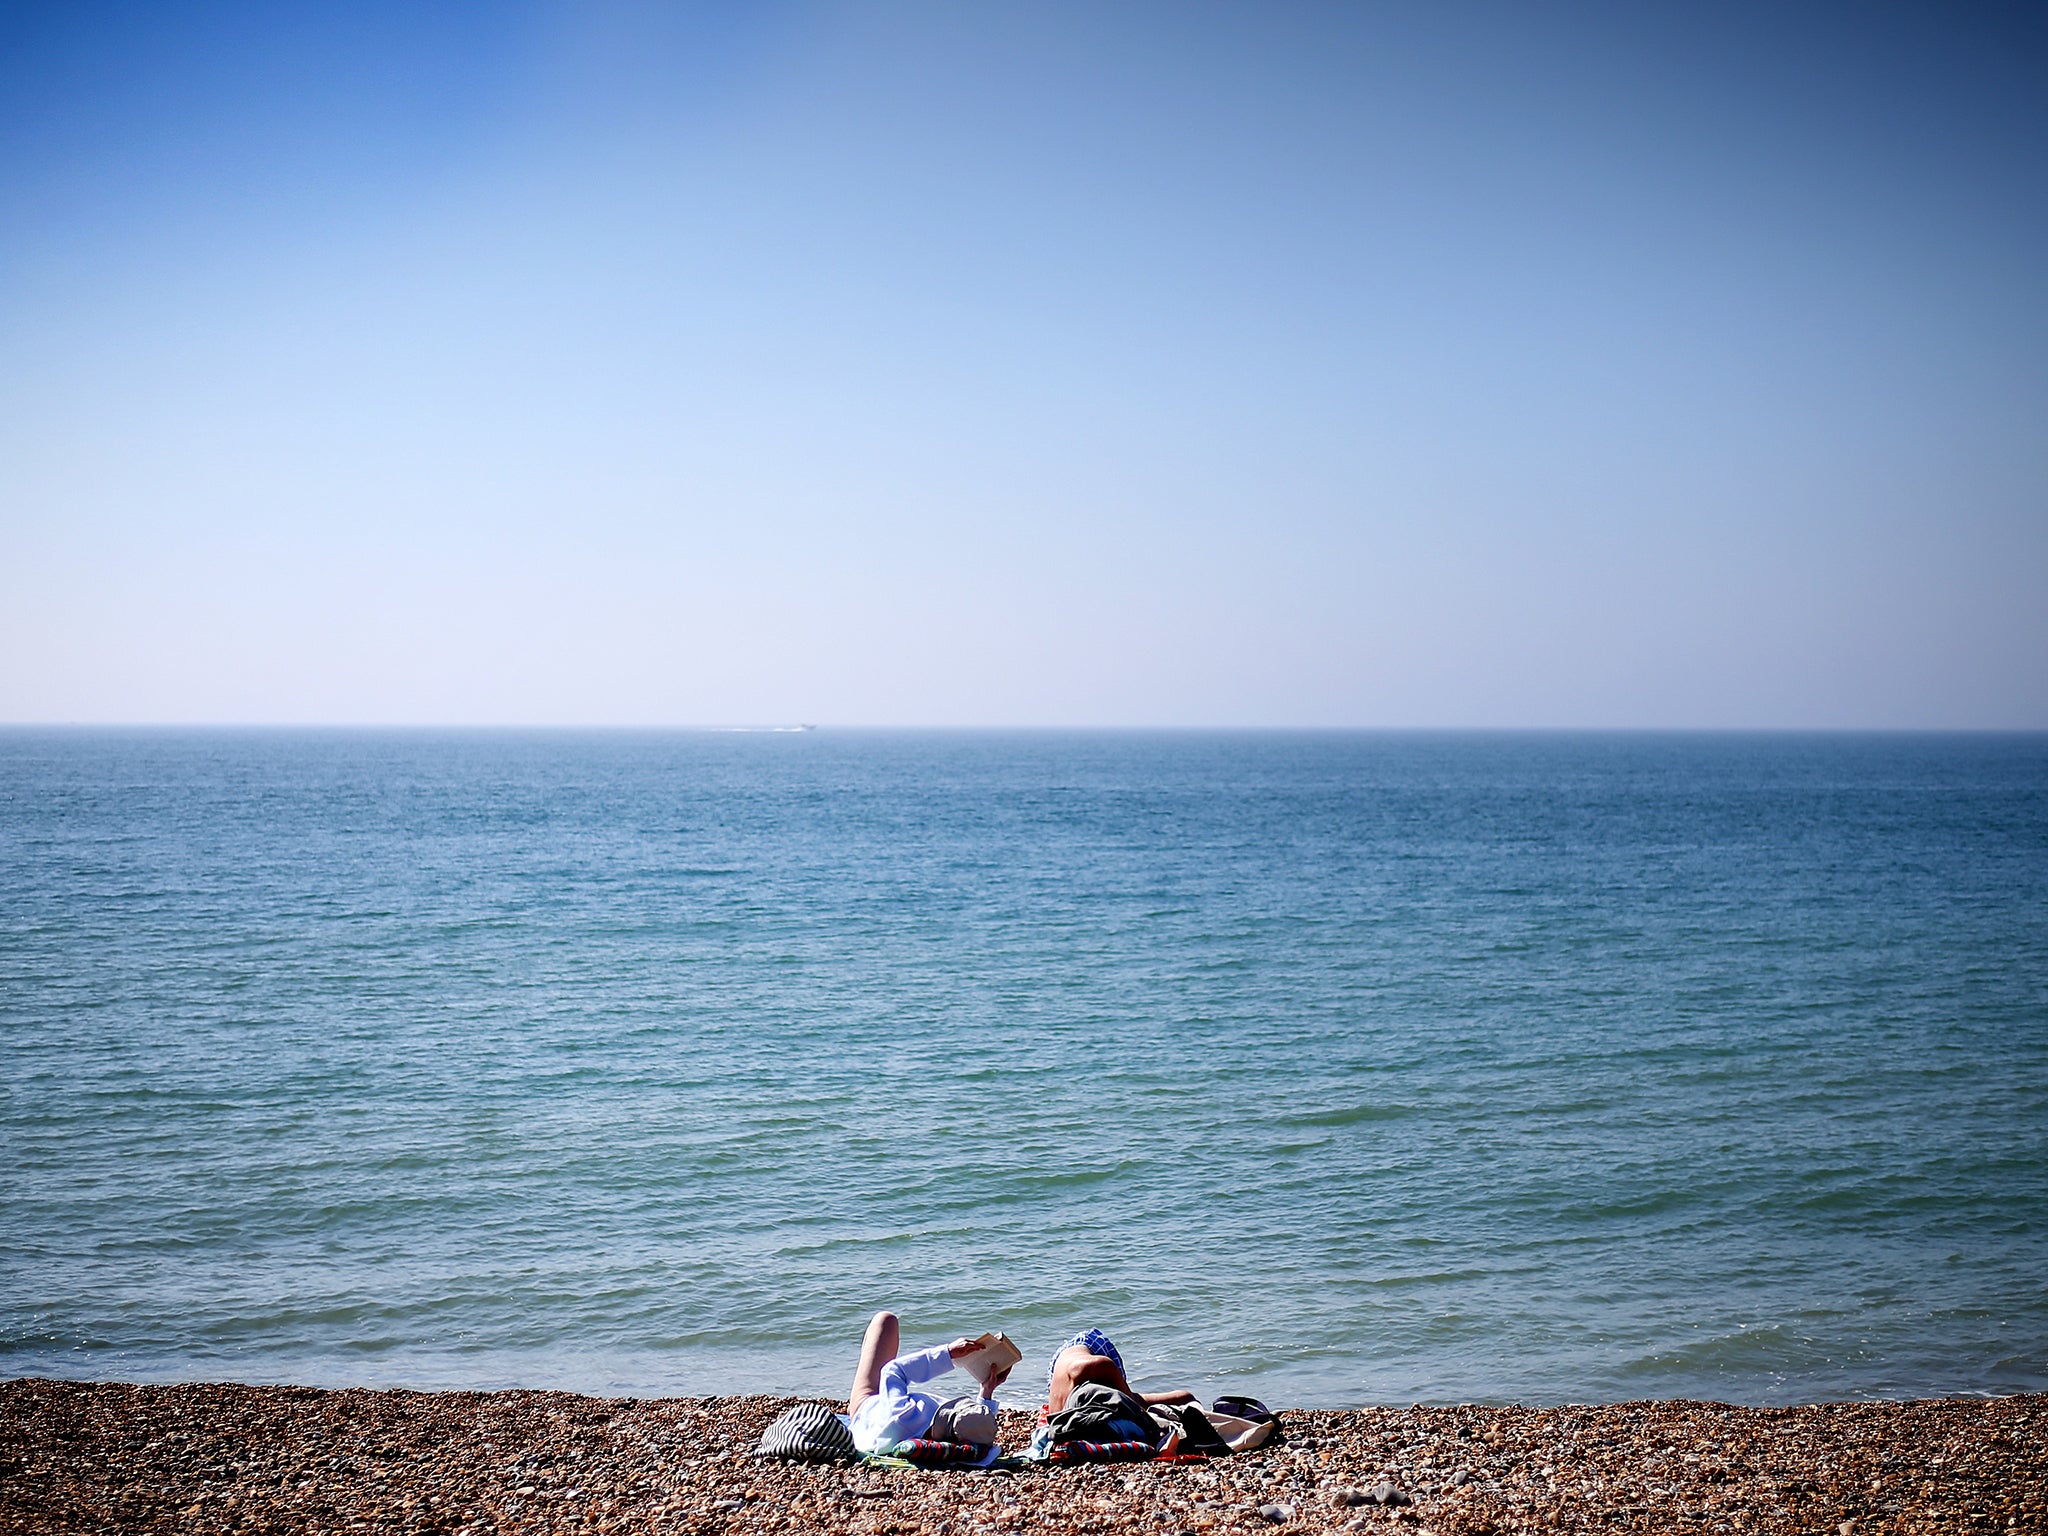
x=808, y=1432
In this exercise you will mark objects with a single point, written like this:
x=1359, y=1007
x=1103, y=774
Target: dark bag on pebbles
x=808, y=1432
x=1245, y=1423
x=1245, y=1408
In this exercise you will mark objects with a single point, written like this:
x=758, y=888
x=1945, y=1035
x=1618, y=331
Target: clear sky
x=1273, y=363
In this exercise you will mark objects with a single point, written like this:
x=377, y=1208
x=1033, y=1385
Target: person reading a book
x=883, y=1411
x=1091, y=1357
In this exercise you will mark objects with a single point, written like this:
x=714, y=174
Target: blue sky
x=1096, y=364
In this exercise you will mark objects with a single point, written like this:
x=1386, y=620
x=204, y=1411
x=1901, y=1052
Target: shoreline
x=100, y=1456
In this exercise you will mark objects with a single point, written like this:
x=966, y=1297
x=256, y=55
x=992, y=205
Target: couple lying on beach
x=1089, y=1402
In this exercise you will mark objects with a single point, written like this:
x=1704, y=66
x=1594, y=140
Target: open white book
x=992, y=1353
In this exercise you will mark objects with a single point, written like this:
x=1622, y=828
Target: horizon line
x=764, y=728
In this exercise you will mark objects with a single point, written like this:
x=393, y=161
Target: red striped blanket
x=1100, y=1450
x=941, y=1453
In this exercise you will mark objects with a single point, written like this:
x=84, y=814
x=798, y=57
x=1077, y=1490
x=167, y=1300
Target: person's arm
x=958, y=1350
x=988, y=1388
x=1182, y=1396
x=922, y=1365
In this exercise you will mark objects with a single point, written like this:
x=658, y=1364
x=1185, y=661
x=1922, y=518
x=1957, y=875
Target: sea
x=1337, y=1068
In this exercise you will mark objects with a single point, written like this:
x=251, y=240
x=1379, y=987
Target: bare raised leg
x=1076, y=1364
x=876, y=1351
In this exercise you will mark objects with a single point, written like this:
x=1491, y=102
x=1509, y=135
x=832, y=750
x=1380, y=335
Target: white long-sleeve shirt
x=895, y=1413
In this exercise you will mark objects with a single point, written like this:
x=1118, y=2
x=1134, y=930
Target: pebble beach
x=207, y=1458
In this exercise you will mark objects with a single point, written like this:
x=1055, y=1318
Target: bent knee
x=1073, y=1367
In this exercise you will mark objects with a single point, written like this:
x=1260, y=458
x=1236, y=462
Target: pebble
x=209, y=1460
x=1279, y=1514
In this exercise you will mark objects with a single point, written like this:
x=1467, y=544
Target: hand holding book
x=988, y=1359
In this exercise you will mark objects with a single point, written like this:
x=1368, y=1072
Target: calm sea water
x=1346, y=1068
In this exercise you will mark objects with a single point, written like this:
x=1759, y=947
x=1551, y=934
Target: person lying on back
x=883, y=1410
x=1091, y=1357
